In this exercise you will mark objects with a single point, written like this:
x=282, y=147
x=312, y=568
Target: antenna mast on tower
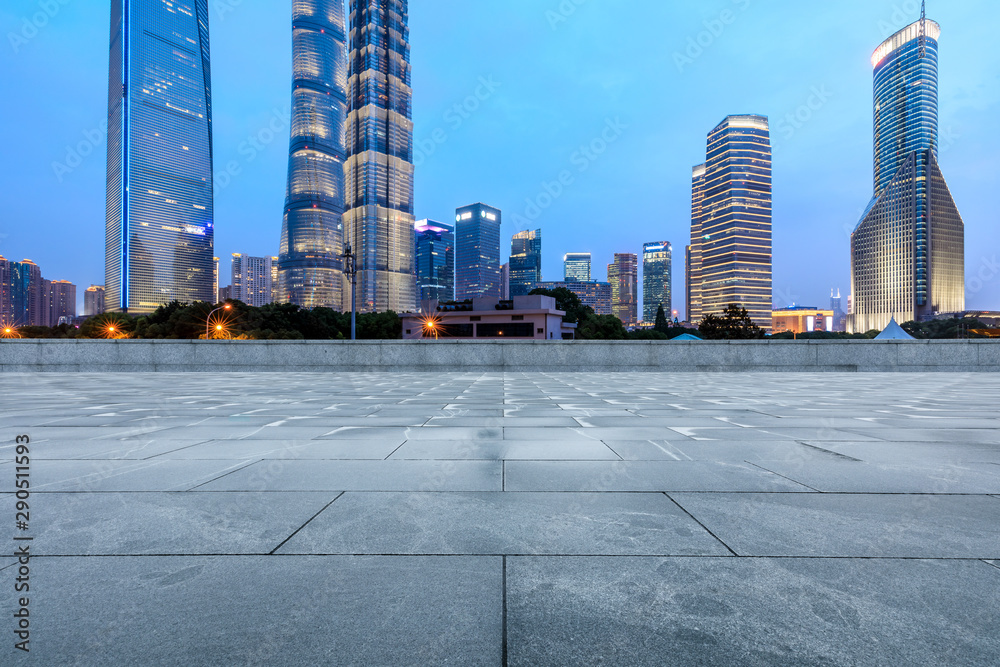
x=923, y=29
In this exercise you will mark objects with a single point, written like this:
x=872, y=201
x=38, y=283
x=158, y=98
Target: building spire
x=923, y=29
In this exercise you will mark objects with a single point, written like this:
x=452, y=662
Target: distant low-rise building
x=532, y=317
x=93, y=300
x=801, y=319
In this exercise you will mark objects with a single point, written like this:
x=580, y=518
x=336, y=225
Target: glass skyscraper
x=378, y=220
x=908, y=250
x=729, y=260
x=159, y=218
x=576, y=267
x=310, y=260
x=477, y=252
x=657, y=264
x=525, y=262
x=435, y=243
x=623, y=275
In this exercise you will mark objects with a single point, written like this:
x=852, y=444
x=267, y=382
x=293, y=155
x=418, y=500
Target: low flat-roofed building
x=532, y=317
x=801, y=319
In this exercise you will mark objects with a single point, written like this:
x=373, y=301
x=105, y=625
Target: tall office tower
x=435, y=257
x=24, y=294
x=657, y=265
x=310, y=264
x=477, y=252
x=687, y=283
x=576, y=267
x=623, y=275
x=730, y=259
x=274, y=281
x=908, y=250
x=215, y=275
x=525, y=262
x=93, y=300
x=839, y=315
x=379, y=218
x=252, y=279
x=60, y=302
x=505, y=281
x=159, y=230
x=692, y=262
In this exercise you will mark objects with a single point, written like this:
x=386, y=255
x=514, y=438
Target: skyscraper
x=623, y=275
x=60, y=302
x=22, y=299
x=159, y=217
x=215, y=275
x=657, y=266
x=576, y=267
x=435, y=243
x=310, y=258
x=93, y=300
x=730, y=258
x=908, y=250
x=525, y=262
x=505, y=281
x=378, y=220
x=252, y=279
x=477, y=252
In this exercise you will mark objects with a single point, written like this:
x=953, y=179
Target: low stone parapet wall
x=139, y=356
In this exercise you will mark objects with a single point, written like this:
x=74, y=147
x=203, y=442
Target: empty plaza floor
x=505, y=519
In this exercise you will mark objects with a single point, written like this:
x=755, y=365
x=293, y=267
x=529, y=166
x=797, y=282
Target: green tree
x=601, y=327
x=733, y=324
x=568, y=302
x=661, y=324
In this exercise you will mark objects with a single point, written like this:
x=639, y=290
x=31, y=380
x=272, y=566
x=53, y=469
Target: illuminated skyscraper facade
x=477, y=252
x=159, y=218
x=908, y=250
x=378, y=220
x=730, y=257
x=435, y=242
x=657, y=267
x=252, y=279
x=310, y=258
x=623, y=275
x=576, y=267
x=525, y=262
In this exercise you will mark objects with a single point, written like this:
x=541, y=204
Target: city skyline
x=814, y=210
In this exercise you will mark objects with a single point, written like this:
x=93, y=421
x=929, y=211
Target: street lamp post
x=351, y=269
x=208, y=320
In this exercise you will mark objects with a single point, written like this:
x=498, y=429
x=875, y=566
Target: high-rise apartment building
x=93, y=300
x=525, y=262
x=435, y=243
x=657, y=267
x=505, y=281
x=591, y=293
x=23, y=297
x=378, y=220
x=477, y=252
x=623, y=275
x=908, y=250
x=576, y=267
x=215, y=276
x=60, y=302
x=310, y=264
x=730, y=256
x=252, y=279
x=159, y=216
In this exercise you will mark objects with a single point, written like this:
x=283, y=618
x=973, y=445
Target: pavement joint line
x=261, y=554
x=385, y=459
x=782, y=476
x=283, y=542
x=503, y=624
x=704, y=527
x=503, y=474
x=620, y=457
x=172, y=451
x=828, y=451
x=246, y=465
x=994, y=563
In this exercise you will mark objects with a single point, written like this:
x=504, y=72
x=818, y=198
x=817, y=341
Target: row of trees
x=290, y=322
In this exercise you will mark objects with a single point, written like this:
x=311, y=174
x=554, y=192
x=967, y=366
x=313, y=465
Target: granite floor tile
x=717, y=450
x=287, y=449
x=274, y=610
x=495, y=450
x=862, y=477
x=120, y=475
x=851, y=525
x=755, y=612
x=642, y=476
x=929, y=453
x=504, y=523
x=101, y=449
x=427, y=476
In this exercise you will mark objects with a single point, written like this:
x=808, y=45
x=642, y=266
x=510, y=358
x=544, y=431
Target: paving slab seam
x=306, y=523
x=969, y=559
x=613, y=450
x=782, y=476
x=392, y=452
x=827, y=451
x=503, y=622
x=992, y=563
x=703, y=526
x=247, y=465
x=154, y=455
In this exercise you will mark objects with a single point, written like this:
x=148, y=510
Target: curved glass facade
x=310, y=261
x=379, y=190
x=159, y=218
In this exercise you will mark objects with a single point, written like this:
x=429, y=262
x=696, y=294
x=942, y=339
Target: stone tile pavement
x=506, y=519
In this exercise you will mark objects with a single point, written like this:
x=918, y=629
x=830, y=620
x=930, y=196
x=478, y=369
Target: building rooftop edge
x=903, y=37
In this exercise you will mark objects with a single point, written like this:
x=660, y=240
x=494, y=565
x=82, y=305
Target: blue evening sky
x=563, y=75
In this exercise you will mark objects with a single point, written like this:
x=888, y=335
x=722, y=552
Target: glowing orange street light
x=208, y=321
